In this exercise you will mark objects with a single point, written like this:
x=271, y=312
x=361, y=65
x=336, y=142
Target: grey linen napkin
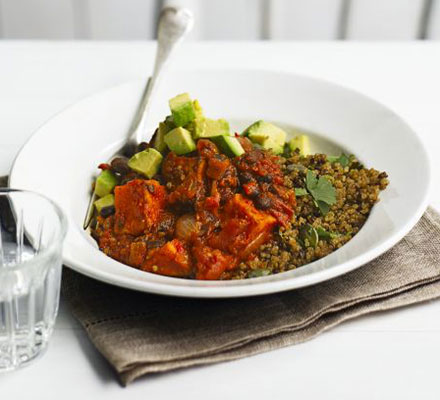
x=140, y=333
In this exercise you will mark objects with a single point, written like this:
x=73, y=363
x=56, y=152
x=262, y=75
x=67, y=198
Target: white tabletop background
x=382, y=356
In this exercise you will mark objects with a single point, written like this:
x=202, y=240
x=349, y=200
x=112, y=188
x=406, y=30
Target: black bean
x=130, y=176
x=254, y=193
x=246, y=177
x=153, y=244
x=120, y=165
x=263, y=202
x=107, y=211
x=143, y=146
x=161, y=179
x=129, y=150
x=265, y=178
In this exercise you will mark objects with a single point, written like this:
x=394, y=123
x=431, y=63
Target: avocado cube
x=159, y=140
x=103, y=202
x=182, y=109
x=256, y=132
x=198, y=109
x=105, y=183
x=206, y=128
x=146, y=162
x=180, y=141
x=216, y=127
x=268, y=135
x=302, y=143
x=197, y=127
x=276, y=147
x=228, y=145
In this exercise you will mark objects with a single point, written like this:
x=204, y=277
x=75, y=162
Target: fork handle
x=174, y=24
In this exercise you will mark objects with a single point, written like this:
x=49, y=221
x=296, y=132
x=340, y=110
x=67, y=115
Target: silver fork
x=174, y=24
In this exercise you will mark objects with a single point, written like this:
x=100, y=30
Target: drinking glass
x=32, y=229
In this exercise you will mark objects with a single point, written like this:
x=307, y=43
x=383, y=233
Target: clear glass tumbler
x=32, y=229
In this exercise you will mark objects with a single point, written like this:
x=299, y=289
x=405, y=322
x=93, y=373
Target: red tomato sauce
x=202, y=215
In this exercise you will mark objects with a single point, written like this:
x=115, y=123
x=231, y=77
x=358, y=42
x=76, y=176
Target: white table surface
x=387, y=355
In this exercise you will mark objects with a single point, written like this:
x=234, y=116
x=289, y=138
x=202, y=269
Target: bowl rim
x=266, y=285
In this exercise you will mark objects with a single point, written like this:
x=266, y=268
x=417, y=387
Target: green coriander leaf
x=324, y=191
x=323, y=207
x=343, y=159
x=321, y=189
x=322, y=233
x=309, y=235
x=256, y=273
x=311, y=181
x=326, y=235
x=300, y=192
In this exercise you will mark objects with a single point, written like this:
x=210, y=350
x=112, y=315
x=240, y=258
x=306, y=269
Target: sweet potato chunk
x=244, y=228
x=171, y=259
x=138, y=251
x=175, y=169
x=186, y=176
x=120, y=247
x=138, y=205
x=262, y=180
x=211, y=263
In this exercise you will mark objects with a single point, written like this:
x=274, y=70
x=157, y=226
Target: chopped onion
x=255, y=244
x=186, y=227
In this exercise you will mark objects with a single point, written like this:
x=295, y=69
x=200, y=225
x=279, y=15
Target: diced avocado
x=180, y=141
x=268, y=135
x=216, y=127
x=228, y=145
x=106, y=201
x=159, y=140
x=302, y=143
x=146, y=162
x=276, y=147
x=256, y=132
x=182, y=109
x=206, y=128
x=198, y=109
x=197, y=127
x=105, y=183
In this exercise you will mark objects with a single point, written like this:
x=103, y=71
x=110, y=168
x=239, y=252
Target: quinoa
x=357, y=190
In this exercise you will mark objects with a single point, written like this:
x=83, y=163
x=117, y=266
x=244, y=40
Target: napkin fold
x=140, y=333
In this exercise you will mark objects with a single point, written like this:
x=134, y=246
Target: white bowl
x=61, y=158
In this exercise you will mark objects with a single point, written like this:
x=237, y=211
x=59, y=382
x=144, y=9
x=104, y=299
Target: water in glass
x=31, y=233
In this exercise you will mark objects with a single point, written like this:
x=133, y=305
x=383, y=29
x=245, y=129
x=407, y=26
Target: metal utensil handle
x=174, y=24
